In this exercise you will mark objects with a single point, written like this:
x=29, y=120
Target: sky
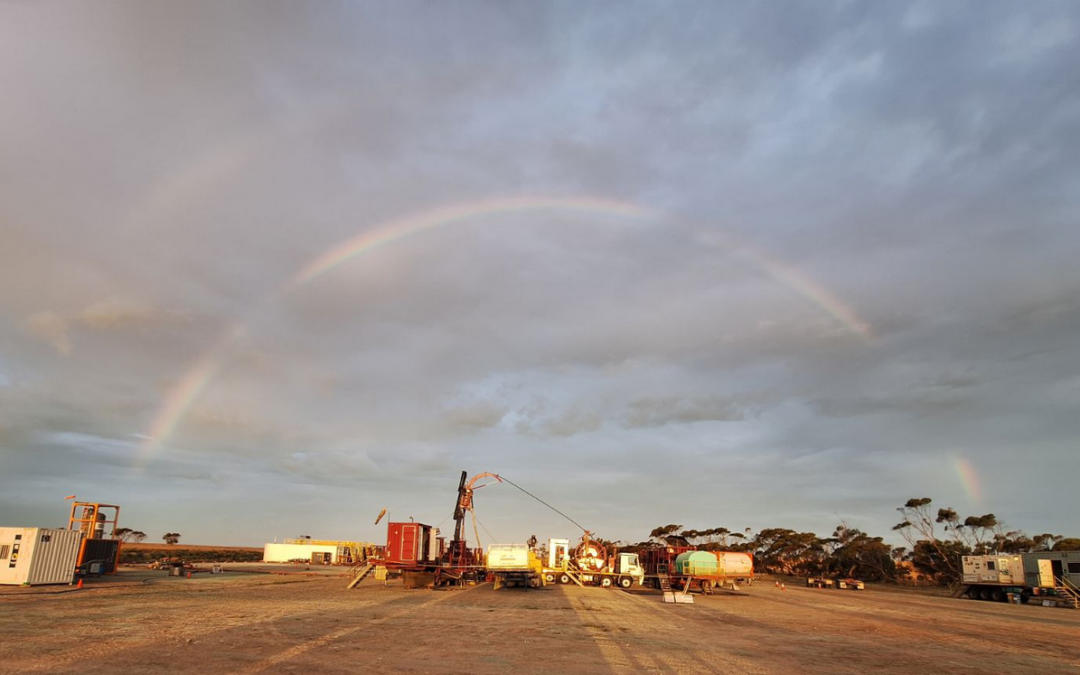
x=268, y=268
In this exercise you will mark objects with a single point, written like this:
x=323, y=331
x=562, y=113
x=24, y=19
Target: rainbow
x=969, y=480
x=801, y=284
x=180, y=398
x=182, y=395
x=408, y=226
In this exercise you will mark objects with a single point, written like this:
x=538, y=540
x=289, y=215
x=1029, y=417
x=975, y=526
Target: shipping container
x=411, y=544
x=37, y=555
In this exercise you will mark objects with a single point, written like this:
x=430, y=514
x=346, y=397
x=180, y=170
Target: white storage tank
x=38, y=555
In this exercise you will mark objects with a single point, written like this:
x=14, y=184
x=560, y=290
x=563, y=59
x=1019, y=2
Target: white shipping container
x=38, y=555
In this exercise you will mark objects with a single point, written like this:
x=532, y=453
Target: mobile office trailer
x=36, y=555
x=1039, y=573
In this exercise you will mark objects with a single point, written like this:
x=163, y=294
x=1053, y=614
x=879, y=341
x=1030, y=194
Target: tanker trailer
x=707, y=569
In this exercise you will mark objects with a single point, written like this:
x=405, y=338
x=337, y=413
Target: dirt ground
x=306, y=622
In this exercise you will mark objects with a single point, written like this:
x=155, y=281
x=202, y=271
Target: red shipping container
x=406, y=542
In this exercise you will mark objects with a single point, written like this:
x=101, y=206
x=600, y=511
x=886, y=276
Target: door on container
x=408, y=544
x=1004, y=571
x=1046, y=574
x=1059, y=570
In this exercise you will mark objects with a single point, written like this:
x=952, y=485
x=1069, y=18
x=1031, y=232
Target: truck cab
x=628, y=565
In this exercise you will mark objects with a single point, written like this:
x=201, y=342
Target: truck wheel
x=625, y=582
x=564, y=578
x=997, y=596
x=605, y=582
x=549, y=578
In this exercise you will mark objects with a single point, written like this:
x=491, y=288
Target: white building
x=315, y=553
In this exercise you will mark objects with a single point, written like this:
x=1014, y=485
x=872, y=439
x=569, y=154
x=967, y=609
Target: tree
x=789, y=552
x=137, y=536
x=1046, y=542
x=171, y=537
x=857, y=554
x=1067, y=544
x=929, y=554
x=123, y=533
x=668, y=534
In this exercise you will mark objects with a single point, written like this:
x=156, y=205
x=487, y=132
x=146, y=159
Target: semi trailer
x=1051, y=575
x=687, y=567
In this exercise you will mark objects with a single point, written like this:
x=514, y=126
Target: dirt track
x=144, y=622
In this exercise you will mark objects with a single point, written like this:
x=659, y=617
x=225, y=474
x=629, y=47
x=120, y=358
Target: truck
x=1053, y=576
x=589, y=564
x=514, y=565
x=687, y=567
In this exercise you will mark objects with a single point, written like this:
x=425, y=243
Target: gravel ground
x=304, y=621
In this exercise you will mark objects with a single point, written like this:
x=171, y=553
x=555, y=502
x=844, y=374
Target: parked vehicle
x=1053, y=575
x=686, y=567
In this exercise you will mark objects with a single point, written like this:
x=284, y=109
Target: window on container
x=5, y=551
x=990, y=565
x=1074, y=567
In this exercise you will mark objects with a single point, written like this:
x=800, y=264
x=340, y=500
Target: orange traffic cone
x=80, y=583
x=783, y=587
x=189, y=575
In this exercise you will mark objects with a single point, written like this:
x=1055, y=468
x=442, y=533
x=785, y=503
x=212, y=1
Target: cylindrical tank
x=696, y=564
x=714, y=564
x=734, y=564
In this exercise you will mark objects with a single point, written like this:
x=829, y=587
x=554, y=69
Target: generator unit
x=1039, y=573
x=31, y=556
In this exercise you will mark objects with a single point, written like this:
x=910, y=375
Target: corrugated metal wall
x=45, y=556
x=56, y=553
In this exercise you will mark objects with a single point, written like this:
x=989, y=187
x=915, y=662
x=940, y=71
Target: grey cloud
x=657, y=412
x=165, y=172
x=52, y=328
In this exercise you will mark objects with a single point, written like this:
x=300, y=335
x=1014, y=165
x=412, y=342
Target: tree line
x=128, y=535
x=936, y=540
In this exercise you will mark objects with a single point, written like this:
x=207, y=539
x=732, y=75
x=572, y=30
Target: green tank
x=697, y=564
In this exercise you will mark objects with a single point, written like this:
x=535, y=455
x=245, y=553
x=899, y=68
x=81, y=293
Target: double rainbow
x=180, y=397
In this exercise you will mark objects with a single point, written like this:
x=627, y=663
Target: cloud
x=116, y=313
x=912, y=168
x=475, y=417
x=658, y=412
x=52, y=328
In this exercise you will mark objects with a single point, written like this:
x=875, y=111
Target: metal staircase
x=664, y=578
x=670, y=595
x=359, y=572
x=1068, y=591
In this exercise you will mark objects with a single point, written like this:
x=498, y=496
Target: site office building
x=38, y=555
